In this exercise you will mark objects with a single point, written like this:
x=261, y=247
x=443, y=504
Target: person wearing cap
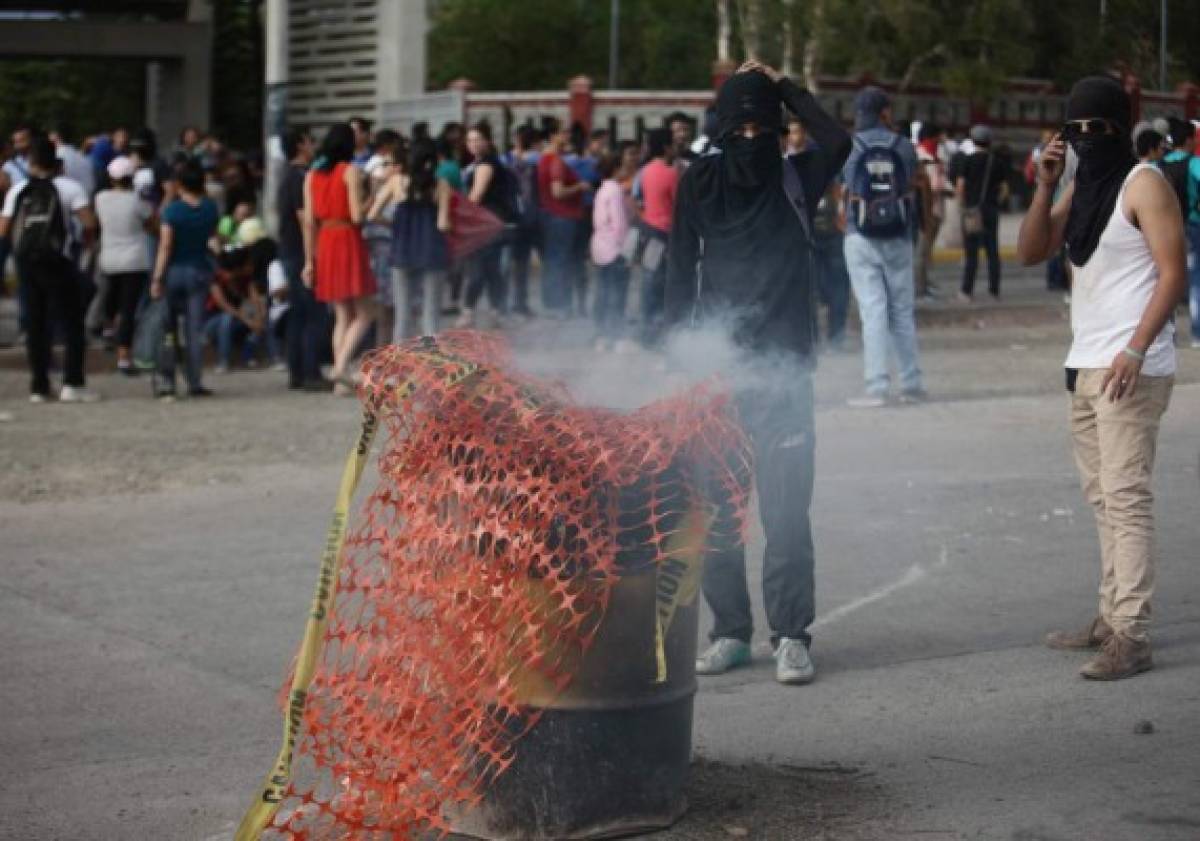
x=740, y=258
x=125, y=221
x=880, y=176
x=981, y=184
x=1121, y=225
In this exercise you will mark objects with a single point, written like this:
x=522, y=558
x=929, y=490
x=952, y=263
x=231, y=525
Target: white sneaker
x=37, y=398
x=792, y=663
x=77, y=394
x=724, y=654
x=221, y=369
x=868, y=401
x=1195, y=344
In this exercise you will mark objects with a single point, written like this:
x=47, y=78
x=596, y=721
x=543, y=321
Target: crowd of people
x=375, y=241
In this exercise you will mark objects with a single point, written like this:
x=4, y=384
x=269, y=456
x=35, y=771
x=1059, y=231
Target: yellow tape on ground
x=276, y=783
x=271, y=793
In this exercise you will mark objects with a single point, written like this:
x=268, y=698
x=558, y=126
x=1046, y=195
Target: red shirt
x=553, y=168
x=659, y=182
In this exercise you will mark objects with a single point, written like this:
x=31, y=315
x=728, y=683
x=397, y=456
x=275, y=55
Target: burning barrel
x=504, y=646
x=609, y=756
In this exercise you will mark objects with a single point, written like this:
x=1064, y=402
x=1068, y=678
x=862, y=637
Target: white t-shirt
x=123, y=243
x=70, y=194
x=1110, y=293
x=77, y=167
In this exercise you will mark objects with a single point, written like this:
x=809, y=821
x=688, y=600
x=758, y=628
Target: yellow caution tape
x=678, y=577
x=273, y=788
x=271, y=793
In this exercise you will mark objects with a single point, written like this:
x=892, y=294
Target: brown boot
x=1120, y=657
x=1093, y=636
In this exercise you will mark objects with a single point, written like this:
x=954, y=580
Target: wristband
x=1133, y=354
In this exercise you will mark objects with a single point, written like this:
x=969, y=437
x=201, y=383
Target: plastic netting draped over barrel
x=478, y=572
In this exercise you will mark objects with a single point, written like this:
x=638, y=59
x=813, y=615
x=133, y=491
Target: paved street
x=159, y=560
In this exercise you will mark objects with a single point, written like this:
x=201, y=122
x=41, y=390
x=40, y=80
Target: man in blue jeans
x=879, y=178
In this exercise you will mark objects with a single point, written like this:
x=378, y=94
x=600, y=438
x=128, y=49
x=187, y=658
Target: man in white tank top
x=1124, y=235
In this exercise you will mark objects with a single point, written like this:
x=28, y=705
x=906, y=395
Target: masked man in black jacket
x=741, y=256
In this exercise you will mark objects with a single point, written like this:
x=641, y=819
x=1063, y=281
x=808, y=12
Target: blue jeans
x=611, y=293
x=881, y=275
x=187, y=292
x=518, y=254
x=1193, y=238
x=833, y=286
x=558, y=248
x=223, y=330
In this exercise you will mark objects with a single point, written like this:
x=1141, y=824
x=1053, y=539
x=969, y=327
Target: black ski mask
x=1104, y=161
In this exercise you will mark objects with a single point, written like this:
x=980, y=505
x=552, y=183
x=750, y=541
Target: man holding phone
x=1121, y=225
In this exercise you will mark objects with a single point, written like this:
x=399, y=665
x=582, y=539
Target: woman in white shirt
x=125, y=220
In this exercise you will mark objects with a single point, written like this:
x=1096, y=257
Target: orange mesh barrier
x=476, y=578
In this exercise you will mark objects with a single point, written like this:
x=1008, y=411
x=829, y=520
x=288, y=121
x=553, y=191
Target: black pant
x=54, y=294
x=989, y=239
x=305, y=327
x=125, y=291
x=782, y=433
x=483, y=272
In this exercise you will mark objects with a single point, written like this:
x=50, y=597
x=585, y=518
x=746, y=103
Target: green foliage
x=237, y=105
x=540, y=44
x=83, y=96
x=970, y=46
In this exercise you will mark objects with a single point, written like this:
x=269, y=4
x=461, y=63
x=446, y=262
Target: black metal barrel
x=609, y=756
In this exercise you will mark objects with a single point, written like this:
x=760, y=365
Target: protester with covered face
x=1124, y=235
x=754, y=215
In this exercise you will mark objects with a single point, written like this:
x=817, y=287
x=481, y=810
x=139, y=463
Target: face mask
x=1097, y=149
x=752, y=161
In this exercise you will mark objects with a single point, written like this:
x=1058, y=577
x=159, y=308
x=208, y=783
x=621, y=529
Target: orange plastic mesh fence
x=479, y=572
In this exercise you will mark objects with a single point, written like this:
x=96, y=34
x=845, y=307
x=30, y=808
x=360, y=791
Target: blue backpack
x=878, y=190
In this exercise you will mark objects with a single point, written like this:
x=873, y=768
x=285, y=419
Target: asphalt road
x=146, y=630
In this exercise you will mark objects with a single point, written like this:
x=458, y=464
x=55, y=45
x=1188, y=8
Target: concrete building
x=347, y=58
x=173, y=37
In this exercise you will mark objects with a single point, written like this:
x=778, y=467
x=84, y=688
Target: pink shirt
x=610, y=223
x=659, y=182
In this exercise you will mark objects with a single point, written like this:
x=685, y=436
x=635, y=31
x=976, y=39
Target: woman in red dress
x=339, y=271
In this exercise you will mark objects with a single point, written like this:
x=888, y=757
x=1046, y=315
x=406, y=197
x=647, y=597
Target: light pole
x=1162, y=49
x=614, y=43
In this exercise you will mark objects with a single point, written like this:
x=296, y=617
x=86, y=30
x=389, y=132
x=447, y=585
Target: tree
x=539, y=44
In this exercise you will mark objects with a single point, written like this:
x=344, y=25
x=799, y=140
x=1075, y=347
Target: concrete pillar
x=275, y=121
x=400, y=50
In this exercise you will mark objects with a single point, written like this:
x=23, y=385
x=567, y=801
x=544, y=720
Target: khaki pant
x=924, y=257
x=1114, y=449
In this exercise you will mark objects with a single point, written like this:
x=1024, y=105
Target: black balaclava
x=1104, y=161
x=750, y=98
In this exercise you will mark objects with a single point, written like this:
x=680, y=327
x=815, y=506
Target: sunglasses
x=1097, y=125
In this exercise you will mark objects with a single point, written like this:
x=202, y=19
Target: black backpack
x=39, y=226
x=1177, y=176
x=879, y=189
x=525, y=174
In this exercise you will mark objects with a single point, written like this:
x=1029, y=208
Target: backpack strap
x=793, y=188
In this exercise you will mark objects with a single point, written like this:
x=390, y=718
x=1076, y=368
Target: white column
x=400, y=50
x=275, y=77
